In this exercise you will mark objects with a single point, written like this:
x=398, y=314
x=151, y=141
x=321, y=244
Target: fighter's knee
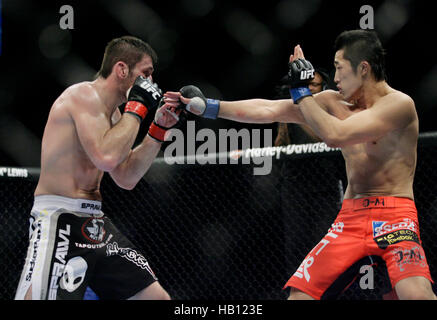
x=416, y=295
x=296, y=294
x=416, y=288
x=164, y=295
x=152, y=292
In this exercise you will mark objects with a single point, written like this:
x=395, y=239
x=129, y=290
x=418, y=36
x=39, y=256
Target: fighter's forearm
x=310, y=132
x=138, y=162
x=249, y=111
x=118, y=141
x=322, y=123
x=260, y=111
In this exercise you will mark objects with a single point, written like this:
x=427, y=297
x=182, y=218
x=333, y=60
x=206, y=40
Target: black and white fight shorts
x=73, y=245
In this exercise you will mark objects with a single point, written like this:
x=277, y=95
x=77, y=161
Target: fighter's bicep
x=326, y=99
x=91, y=126
x=361, y=127
x=385, y=116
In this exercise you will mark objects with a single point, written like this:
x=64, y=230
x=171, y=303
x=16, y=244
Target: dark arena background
x=213, y=231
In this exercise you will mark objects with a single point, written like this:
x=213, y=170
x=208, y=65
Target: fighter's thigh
x=121, y=271
x=52, y=265
x=325, y=263
x=414, y=288
x=296, y=294
x=407, y=261
x=153, y=292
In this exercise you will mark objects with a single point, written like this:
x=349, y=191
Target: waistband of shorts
x=71, y=204
x=377, y=202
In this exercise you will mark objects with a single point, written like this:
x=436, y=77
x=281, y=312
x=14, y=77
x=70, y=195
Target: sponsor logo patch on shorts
x=382, y=227
x=397, y=236
x=409, y=257
x=93, y=230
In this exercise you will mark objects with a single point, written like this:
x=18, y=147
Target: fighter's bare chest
x=364, y=151
x=374, y=148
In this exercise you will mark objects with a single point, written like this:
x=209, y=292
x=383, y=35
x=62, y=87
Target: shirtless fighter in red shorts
x=376, y=128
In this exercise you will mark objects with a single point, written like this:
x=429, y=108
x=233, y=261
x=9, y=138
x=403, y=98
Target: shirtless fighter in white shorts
x=72, y=243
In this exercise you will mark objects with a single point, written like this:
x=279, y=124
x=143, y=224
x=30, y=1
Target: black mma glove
x=144, y=97
x=199, y=105
x=300, y=73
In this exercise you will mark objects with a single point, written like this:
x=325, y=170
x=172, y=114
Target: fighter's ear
x=364, y=68
x=121, y=69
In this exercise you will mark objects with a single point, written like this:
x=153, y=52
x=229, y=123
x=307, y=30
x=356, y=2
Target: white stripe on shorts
x=44, y=218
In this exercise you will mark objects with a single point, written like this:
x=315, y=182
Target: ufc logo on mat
x=306, y=74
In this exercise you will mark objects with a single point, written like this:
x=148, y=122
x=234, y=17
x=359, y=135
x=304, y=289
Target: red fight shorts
x=376, y=226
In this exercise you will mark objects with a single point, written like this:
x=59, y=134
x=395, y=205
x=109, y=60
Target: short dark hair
x=128, y=49
x=363, y=45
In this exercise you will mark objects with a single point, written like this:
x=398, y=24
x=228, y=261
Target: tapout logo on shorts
x=93, y=230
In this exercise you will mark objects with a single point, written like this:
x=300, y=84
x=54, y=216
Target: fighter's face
x=348, y=80
x=143, y=68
